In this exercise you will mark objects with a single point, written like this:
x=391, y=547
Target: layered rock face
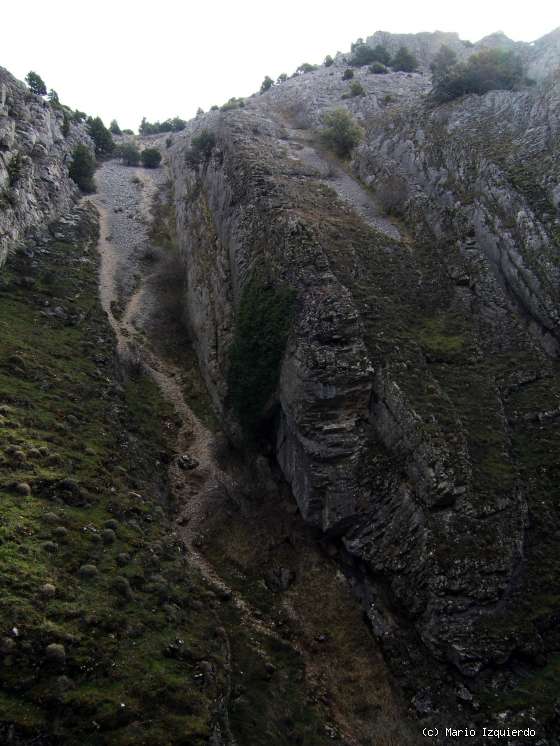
x=416, y=410
x=34, y=158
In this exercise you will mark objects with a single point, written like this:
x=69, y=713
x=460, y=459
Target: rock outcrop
x=34, y=159
x=415, y=414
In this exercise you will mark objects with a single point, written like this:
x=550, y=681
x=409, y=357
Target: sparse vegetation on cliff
x=36, y=83
x=340, y=132
x=262, y=326
x=491, y=69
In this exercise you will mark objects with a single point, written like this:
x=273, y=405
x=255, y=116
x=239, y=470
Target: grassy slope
x=65, y=416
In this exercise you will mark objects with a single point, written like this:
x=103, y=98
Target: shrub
x=340, y=132
x=348, y=74
x=114, y=128
x=305, y=68
x=233, y=103
x=378, y=68
x=328, y=61
x=53, y=98
x=129, y=154
x=201, y=148
x=261, y=330
x=36, y=83
x=101, y=136
x=14, y=169
x=491, y=69
x=65, y=123
x=404, y=61
x=79, y=116
x=282, y=78
x=151, y=157
x=356, y=89
x=127, y=132
x=82, y=168
x=266, y=84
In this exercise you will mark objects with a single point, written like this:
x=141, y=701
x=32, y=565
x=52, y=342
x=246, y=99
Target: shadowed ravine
x=125, y=283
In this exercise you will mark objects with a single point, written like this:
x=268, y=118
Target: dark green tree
x=328, y=61
x=151, y=158
x=36, y=83
x=101, y=137
x=404, y=61
x=114, y=128
x=53, y=98
x=282, y=78
x=82, y=168
x=348, y=74
x=266, y=84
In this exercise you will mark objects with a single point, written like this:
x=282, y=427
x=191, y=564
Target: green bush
x=282, y=78
x=129, y=154
x=101, y=137
x=404, y=61
x=328, y=61
x=491, y=69
x=262, y=326
x=305, y=68
x=201, y=148
x=79, y=116
x=127, y=132
x=36, y=83
x=340, y=132
x=378, y=68
x=82, y=168
x=14, y=169
x=233, y=103
x=348, y=74
x=114, y=128
x=151, y=158
x=266, y=84
x=356, y=89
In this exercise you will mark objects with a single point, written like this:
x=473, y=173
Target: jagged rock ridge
x=416, y=407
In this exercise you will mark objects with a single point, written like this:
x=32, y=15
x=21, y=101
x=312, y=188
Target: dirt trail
x=197, y=489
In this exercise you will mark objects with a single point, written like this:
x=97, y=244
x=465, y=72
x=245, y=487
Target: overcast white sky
x=159, y=59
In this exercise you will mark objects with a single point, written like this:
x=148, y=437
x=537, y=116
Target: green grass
x=66, y=414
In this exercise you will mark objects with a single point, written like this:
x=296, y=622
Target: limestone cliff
x=34, y=158
x=415, y=411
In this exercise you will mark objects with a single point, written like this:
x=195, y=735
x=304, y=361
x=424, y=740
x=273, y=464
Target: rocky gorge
x=358, y=362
